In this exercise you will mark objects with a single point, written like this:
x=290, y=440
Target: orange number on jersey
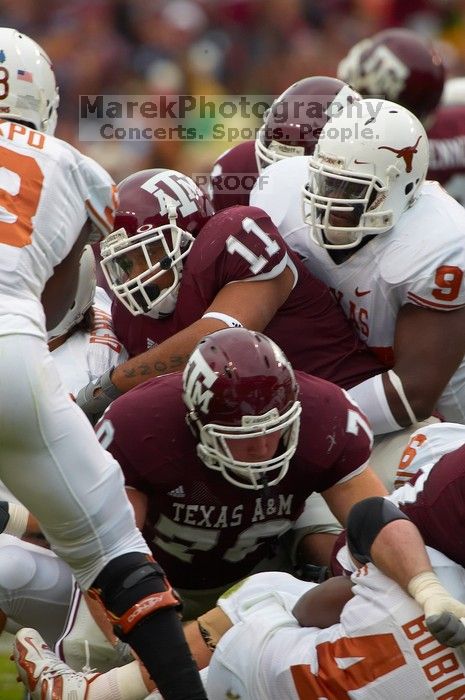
x=448, y=278
x=368, y=658
x=408, y=455
x=21, y=182
x=410, y=451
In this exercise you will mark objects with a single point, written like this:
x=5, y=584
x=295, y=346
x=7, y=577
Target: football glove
x=96, y=396
x=444, y=616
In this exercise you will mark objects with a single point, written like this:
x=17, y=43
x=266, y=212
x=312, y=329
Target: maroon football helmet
x=159, y=215
x=238, y=385
x=397, y=65
x=293, y=123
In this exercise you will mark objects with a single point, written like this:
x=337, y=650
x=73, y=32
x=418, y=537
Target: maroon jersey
x=242, y=243
x=447, y=150
x=433, y=499
x=233, y=176
x=196, y=517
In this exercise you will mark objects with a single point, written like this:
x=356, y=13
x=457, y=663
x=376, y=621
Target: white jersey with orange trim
x=380, y=649
x=426, y=447
x=84, y=357
x=47, y=192
x=420, y=261
x=50, y=457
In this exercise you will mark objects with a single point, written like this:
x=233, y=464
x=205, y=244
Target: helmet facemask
x=214, y=451
x=266, y=155
x=342, y=206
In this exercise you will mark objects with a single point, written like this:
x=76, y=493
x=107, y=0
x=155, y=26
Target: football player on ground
x=53, y=200
x=401, y=66
x=371, y=233
x=214, y=494
x=360, y=635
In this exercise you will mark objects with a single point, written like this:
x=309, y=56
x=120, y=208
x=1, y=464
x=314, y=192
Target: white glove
x=444, y=616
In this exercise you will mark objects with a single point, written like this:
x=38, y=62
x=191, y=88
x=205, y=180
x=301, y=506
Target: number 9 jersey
x=420, y=261
x=48, y=190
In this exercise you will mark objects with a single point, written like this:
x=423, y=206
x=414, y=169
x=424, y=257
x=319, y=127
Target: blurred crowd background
x=207, y=47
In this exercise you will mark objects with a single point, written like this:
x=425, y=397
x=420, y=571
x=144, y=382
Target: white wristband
x=17, y=523
x=228, y=320
x=371, y=398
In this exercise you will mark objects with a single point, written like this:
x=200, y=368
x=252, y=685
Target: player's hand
x=96, y=396
x=444, y=615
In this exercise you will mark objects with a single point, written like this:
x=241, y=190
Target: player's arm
x=16, y=520
x=378, y=532
x=251, y=304
x=321, y=605
x=343, y=495
x=60, y=289
x=429, y=346
x=139, y=501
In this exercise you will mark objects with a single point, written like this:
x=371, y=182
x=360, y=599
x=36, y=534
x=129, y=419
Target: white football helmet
x=366, y=171
x=28, y=90
x=84, y=295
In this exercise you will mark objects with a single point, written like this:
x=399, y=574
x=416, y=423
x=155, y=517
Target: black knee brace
x=366, y=520
x=143, y=608
x=132, y=587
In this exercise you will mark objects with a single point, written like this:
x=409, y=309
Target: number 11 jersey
x=241, y=244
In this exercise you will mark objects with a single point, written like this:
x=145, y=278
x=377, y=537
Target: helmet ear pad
x=238, y=386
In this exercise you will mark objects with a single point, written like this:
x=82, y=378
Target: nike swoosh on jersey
x=361, y=294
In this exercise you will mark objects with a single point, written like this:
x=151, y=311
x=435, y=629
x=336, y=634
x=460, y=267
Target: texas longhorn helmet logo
x=406, y=153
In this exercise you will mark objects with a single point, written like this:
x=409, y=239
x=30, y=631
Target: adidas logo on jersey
x=151, y=343
x=178, y=492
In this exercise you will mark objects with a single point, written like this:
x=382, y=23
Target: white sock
x=124, y=683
